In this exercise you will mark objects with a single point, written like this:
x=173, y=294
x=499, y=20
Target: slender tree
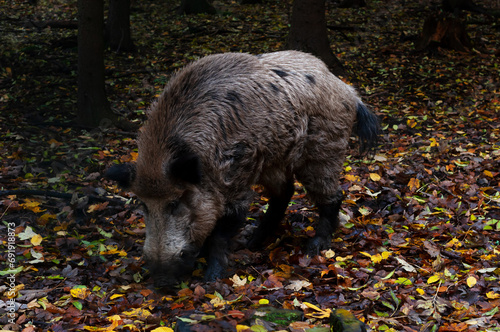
x=93, y=106
x=117, y=30
x=308, y=32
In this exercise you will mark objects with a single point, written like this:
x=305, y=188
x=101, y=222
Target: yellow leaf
x=309, y=229
x=311, y=306
x=112, y=251
x=32, y=206
x=365, y=253
x=138, y=312
x=162, y=329
x=320, y=314
x=115, y=296
x=471, y=281
x=434, y=278
x=93, y=208
x=454, y=243
x=420, y=291
x=492, y=295
x=411, y=123
x=379, y=257
x=36, y=240
x=376, y=258
x=386, y=254
x=240, y=328
x=80, y=292
x=218, y=302
x=374, y=177
x=351, y=178
x=14, y=292
x=434, y=142
x=488, y=173
x=46, y=217
x=343, y=259
x=116, y=320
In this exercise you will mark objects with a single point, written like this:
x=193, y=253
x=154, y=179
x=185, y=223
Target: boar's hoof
x=316, y=244
x=164, y=281
x=256, y=241
x=167, y=276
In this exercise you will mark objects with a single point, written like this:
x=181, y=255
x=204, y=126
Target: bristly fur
x=228, y=121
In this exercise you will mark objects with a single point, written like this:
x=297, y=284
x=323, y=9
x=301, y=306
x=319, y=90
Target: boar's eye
x=171, y=207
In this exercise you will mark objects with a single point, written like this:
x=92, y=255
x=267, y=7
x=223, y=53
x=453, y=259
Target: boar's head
x=179, y=213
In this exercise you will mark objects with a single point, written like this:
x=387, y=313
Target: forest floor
x=419, y=245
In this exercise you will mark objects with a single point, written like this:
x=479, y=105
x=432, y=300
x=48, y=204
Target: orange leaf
x=414, y=184
x=236, y=314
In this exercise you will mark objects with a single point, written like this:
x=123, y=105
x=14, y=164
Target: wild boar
x=226, y=122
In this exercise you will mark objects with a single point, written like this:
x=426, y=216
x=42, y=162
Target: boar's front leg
x=217, y=244
x=278, y=202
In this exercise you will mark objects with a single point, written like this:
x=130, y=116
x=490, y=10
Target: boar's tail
x=367, y=128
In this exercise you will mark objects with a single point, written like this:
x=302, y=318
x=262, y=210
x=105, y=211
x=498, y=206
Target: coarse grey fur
x=224, y=123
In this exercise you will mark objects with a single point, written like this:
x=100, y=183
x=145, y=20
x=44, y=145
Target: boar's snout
x=169, y=273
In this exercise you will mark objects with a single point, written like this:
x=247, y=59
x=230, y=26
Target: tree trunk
x=118, y=26
x=93, y=106
x=444, y=31
x=308, y=32
x=196, y=7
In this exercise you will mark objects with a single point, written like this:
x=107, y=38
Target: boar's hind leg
x=278, y=202
x=327, y=224
x=321, y=180
x=217, y=244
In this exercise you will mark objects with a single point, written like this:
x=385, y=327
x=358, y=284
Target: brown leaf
x=199, y=291
x=371, y=294
x=438, y=264
x=431, y=248
x=398, y=239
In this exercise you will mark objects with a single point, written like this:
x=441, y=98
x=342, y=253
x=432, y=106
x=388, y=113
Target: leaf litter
x=419, y=246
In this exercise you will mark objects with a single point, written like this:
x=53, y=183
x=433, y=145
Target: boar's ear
x=187, y=168
x=123, y=174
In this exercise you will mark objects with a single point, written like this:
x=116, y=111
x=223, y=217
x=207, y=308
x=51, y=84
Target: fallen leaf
x=297, y=285
x=237, y=281
x=80, y=292
x=36, y=240
x=471, y=281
